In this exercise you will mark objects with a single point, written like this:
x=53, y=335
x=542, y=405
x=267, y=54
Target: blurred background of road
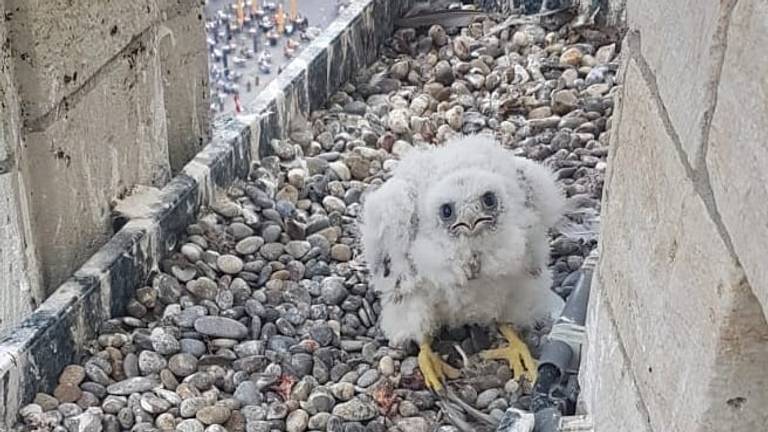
x=251, y=80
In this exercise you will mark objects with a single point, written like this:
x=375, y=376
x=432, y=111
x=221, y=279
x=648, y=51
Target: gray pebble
x=320, y=401
x=85, y=422
x=190, y=425
x=297, y=421
x=151, y=362
x=193, y=347
x=333, y=290
x=229, y=264
x=183, y=364
x=132, y=385
x=368, y=378
x=221, y=327
x=248, y=393
x=356, y=410
x=302, y=364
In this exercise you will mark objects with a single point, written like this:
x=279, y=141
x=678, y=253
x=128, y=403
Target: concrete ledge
x=33, y=353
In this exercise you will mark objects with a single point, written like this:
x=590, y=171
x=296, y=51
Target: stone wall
x=98, y=96
x=677, y=338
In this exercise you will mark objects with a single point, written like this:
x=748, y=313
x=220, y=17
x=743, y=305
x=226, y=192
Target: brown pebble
x=72, y=374
x=572, y=56
x=67, y=393
x=116, y=360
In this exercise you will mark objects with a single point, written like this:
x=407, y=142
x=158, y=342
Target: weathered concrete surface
x=61, y=44
x=183, y=61
x=102, y=106
x=17, y=261
x=678, y=339
x=113, y=138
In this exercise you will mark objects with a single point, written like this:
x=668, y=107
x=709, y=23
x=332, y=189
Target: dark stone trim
x=33, y=353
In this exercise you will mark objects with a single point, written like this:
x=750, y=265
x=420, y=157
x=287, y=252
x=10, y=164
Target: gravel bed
x=263, y=320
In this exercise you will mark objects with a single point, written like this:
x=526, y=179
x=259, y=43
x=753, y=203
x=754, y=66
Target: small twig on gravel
x=455, y=409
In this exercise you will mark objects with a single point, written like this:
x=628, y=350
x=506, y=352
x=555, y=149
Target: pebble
x=321, y=402
x=368, y=378
x=132, y=385
x=298, y=248
x=221, y=327
x=190, y=406
x=355, y=410
x=297, y=421
x=341, y=252
x=444, y=73
x=408, y=409
x=333, y=291
x=229, y=264
x=413, y=424
x=564, y=101
x=183, y=364
x=67, y=392
x=72, y=374
x=151, y=362
x=323, y=334
x=85, y=422
x=203, y=288
x=216, y=414
x=571, y=56
x=605, y=53
x=387, y=366
x=485, y=398
x=343, y=391
x=46, y=402
x=190, y=425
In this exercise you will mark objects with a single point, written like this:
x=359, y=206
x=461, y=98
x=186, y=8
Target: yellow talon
x=434, y=369
x=516, y=353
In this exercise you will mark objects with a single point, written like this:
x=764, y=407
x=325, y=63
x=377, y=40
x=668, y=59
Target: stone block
x=59, y=45
x=608, y=388
x=184, y=61
x=676, y=41
x=738, y=154
x=93, y=153
x=676, y=292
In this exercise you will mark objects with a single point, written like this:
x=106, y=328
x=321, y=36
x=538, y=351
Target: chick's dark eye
x=446, y=211
x=489, y=199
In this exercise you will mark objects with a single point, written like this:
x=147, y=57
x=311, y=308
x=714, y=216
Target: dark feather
x=445, y=18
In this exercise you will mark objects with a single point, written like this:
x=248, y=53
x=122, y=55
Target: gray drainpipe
x=560, y=358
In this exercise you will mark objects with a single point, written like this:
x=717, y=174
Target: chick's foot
x=434, y=369
x=516, y=353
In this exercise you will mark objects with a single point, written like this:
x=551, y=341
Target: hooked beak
x=471, y=221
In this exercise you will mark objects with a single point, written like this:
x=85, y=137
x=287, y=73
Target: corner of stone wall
x=102, y=109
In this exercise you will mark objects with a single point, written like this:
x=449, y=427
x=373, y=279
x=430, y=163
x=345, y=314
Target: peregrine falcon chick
x=458, y=235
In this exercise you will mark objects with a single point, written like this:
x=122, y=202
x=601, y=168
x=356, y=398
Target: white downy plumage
x=458, y=235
